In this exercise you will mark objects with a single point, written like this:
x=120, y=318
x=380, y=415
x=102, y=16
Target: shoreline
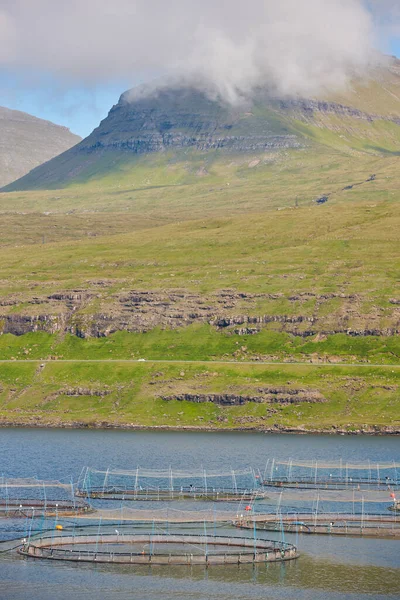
x=105, y=425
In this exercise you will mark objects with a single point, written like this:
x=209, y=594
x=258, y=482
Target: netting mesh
x=335, y=474
x=170, y=484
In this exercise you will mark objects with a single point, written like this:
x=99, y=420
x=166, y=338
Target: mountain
x=177, y=119
x=186, y=122
x=214, y=240
x=26, y=142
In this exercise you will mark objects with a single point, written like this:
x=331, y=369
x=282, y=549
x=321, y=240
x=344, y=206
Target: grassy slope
x=204, y=223
x=343, y=247
x=357, y=397
x=319, y=248
x=149, y=191
x=204, y=343
x=377, y=94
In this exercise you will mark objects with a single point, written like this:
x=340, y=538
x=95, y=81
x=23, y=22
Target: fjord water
x=332, y=568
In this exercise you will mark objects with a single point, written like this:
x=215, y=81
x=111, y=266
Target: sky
x=68, y=62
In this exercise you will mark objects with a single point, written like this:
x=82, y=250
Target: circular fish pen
x=159, y=549
x=326, y=511
x=153, y=485
x=28, y=508
x=326, y=524
x=330, y=475
x=176, y=493
x=31, y=497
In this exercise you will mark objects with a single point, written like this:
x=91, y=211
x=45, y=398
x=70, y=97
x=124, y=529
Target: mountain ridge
x=181, y=118
x=27, y=141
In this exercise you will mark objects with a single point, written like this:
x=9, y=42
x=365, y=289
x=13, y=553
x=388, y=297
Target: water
x=330, y=568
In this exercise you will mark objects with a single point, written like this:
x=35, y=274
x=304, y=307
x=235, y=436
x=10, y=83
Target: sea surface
x=329, y=568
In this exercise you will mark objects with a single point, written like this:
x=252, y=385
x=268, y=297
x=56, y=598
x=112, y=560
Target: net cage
x=335, y=475
x=32, y=497
x=157, y=544
x=326, y=524
x=145, y=484
x=334, y=511
x=346, y=500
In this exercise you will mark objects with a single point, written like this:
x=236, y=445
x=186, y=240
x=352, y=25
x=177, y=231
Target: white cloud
x=298, y=46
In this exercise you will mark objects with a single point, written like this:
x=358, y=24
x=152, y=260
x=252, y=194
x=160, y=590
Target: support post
x=151, y=539
x=105, y=480
x=136, y=480
x=30, y=525
x=98, y=535
x=316, y=511
x=44, y=498
x=254, y=537
x=272, y=468
x=73, y=494
x=205, y=541
x=266, y=471
x=171, y=479
x=234, y=481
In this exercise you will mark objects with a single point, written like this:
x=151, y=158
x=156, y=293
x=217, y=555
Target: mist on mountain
x=295, y=47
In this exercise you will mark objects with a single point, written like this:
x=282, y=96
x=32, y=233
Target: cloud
x=386, y=15
x=295, y=46
x=7, y=39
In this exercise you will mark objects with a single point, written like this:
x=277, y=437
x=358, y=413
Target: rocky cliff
x=185, y=118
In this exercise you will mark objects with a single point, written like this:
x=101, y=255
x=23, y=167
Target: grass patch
x=356, y=398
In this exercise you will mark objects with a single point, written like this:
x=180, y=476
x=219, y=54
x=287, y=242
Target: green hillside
x=133, y=395
x=227, y=238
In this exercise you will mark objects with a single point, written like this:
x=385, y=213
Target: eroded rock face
x=228, y=310
x=263, y=319
x=308, y=108
x=181, y=118
x=267, y=396
x=21, y=324
x=79, y=391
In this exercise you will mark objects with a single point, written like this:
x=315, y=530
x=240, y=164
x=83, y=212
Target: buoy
x=248, y=507
x=392, y=495
x=59, y=527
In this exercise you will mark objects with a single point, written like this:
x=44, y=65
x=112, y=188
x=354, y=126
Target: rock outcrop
x=283, y=396
x=306, y=109
x=228, y=310
x=79, y=391
x=184, y=118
